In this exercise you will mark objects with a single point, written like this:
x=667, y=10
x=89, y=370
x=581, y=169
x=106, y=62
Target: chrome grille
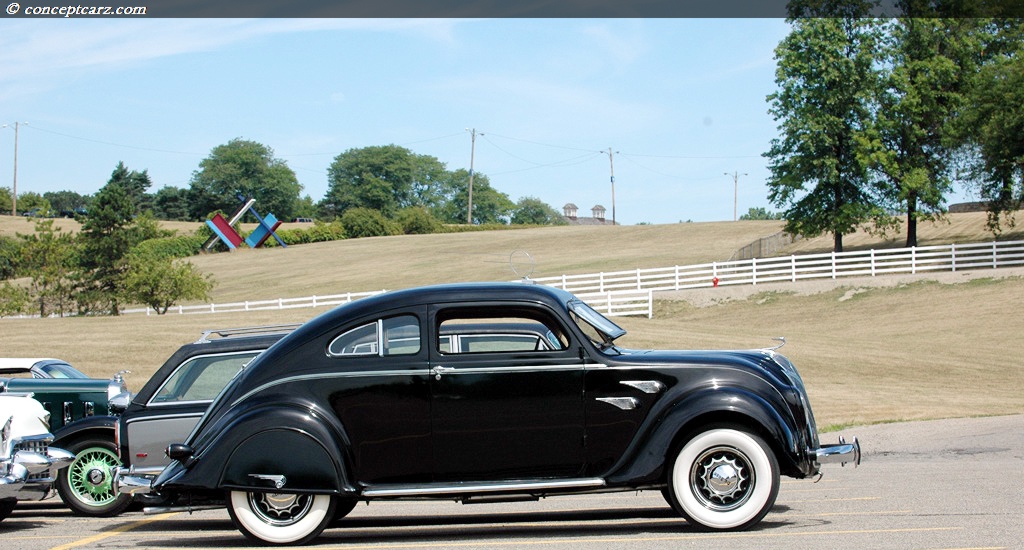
x=35, y=446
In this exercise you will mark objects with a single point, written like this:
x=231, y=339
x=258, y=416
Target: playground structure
x=224, y=231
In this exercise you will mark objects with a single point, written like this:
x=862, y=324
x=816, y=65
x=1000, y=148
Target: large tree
x=992, y=126
x=927, y=62
x=531, y=210
x=819, y=166
x=489, y=204
x=108, y=235
x=385, y=178
x=135, y=185
x=248, y=169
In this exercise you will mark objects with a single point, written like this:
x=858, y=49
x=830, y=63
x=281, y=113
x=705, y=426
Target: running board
x=518, y=486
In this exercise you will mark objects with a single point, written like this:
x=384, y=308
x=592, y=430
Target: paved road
x=951, y=484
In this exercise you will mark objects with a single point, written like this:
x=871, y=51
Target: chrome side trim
x=383, y=491
x=624, y=403
x=646, y=386
x=164, y=417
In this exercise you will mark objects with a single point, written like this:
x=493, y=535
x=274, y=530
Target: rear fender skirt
x=282, y=459
x=645, y=458
x=262, y=443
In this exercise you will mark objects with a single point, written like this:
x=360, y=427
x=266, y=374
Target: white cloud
x=41, y=54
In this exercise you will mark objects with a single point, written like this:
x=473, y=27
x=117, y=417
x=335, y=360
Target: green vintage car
x=75, y=403
x=66, y=393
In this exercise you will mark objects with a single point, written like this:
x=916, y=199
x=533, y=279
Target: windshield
x=597, y=327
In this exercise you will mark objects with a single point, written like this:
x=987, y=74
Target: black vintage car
x=370, y=402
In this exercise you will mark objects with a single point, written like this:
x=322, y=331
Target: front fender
x=102, y=426
x=646, y=457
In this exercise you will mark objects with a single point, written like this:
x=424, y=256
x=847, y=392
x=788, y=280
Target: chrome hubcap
x=721, y=478
x=280, y=508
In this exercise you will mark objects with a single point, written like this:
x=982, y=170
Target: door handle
x=439, y=370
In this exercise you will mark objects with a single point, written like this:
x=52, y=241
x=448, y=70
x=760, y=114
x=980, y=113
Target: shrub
x=364, y=222
x=417, y=220
x=181, y=246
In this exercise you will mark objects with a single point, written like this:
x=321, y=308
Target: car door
x=504, y=408
x=178, y=405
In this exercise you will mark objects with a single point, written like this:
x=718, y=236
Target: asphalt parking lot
x=949, y=484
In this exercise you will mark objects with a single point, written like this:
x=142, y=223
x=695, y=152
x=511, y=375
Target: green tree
x=992, y=125
x=171, y=203
x=160, y=282
x=533, y=211
x=48, y=258
x=927, y=62
x=10, y=256
x=489, y=204
x=761, y=213
x=66, y=203
x=382, y=178
x=14, y=300
x=5, y=200
x=108, y=235
x=135, y=185
x=819, y=166
x=31, y=200
x=243, y=168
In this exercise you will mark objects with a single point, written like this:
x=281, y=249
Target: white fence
x=956, y=257
x=630, y=292
x=280, y=303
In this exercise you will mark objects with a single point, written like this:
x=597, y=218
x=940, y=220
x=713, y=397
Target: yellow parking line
x=114, y=532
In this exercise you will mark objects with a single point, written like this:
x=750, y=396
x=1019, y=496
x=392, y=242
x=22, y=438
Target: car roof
x=12, y=365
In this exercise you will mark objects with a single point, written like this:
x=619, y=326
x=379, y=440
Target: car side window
x=201, y=378
x=390, y=336
x=472, y=332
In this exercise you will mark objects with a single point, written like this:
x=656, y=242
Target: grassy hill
x=920, y=350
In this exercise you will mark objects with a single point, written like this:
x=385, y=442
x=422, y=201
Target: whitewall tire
x=724, y=479
x=280, y=518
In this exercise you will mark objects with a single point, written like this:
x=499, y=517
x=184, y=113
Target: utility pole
x=735, y=190
x=611, y=166
x=14, y=191
x=472, y=154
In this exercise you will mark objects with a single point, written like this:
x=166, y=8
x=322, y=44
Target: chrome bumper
x=125, y=482
x=840, y=453
x=23, y=464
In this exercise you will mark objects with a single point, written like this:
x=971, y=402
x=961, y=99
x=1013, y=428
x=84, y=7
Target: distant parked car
x=28, y=464
x=38, y=368
x=372, y=401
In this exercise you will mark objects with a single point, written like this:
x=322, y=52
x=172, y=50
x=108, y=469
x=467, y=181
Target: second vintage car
x=371, y=401
x=28, y=462
x=164, y=411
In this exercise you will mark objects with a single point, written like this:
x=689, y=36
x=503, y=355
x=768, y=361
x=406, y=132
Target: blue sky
x=681, y=102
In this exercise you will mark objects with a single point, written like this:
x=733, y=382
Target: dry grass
x=921, y=350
